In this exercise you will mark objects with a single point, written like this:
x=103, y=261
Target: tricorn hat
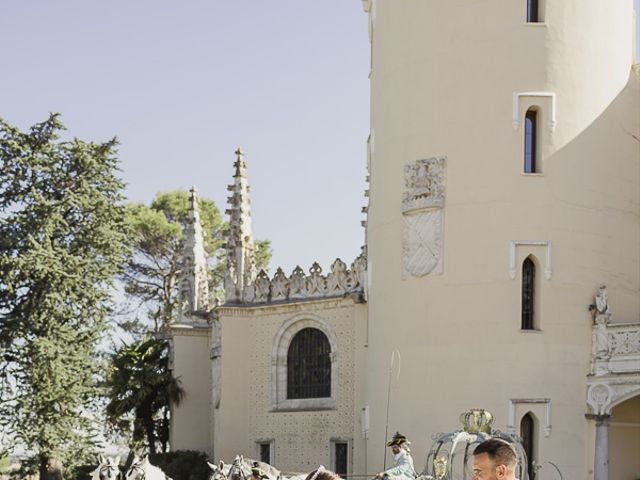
x=397, y=439
x=256, y=471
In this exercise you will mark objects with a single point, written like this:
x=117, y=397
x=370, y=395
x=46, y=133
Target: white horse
x=108, y=469
x=141, y=469
x=240, y=469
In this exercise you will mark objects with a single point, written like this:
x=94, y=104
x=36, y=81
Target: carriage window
x=309, y=365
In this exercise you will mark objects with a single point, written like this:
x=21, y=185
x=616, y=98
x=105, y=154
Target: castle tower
x=194, y=286
x=241, y=269
x=504, y=190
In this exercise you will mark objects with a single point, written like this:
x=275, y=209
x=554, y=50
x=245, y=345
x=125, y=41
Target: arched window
x=530, y=141
x=309, y=365
x=533, y=11
x=528, y=293
x=527, y=433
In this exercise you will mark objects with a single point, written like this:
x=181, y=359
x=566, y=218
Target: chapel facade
x=501, y=268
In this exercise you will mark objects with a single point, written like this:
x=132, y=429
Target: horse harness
x=105, y=472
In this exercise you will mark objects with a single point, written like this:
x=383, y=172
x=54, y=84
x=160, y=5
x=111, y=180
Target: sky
x=182, y=84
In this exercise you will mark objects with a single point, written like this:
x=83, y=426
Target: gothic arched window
x=309, y=365
x=528, y=293
x=530, y=141
x=533, y=12
x=527, y=433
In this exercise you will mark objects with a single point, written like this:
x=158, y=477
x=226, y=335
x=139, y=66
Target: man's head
x=494, y=459
x=396, y=442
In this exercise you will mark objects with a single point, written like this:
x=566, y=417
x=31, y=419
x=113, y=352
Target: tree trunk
x=149, y=427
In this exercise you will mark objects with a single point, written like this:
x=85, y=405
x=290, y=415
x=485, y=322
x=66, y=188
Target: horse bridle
x=109, y=467
x=234, y=465
x=140, y=470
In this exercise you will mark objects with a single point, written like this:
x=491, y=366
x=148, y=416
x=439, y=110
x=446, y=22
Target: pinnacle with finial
x=239, y=163
x=193, y=198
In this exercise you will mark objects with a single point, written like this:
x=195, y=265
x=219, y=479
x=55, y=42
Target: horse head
x=217, y=471
x=137, y=470
x=108, y=469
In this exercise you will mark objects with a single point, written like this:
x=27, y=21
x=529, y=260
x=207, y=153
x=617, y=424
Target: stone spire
x=241, y=269
x=194, y=287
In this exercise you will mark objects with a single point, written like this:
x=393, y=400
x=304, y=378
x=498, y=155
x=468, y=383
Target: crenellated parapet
x=341, y=280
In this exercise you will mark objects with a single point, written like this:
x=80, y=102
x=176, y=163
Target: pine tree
x=62, y=237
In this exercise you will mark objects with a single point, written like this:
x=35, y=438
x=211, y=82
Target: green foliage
x=182, y=464
x=62, y=238
x=141, y=388
x=152, y=271
x=5, y=462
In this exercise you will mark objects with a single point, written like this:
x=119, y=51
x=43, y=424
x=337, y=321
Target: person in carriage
x=403, y=462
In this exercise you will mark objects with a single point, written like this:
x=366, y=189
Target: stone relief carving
x=338, y=279
x=602, y=301
x=279, y=286
x=424, y=184
x=299, y=286
x=615, y=347
x=262, y=287
x=422, y=208
x=422, y=247
x=600, y=347
x=297, y=283
x=625, y=341
x=598, y=398
x=315, y=281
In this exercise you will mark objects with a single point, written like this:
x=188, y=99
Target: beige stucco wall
x=443, y=77
x=301, y=438
x=191, y=420
x=624, y=441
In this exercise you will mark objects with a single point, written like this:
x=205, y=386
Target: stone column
x=601, y=462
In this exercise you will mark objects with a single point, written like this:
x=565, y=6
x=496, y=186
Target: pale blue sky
x=182, y=84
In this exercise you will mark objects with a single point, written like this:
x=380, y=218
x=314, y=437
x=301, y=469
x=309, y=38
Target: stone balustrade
x=624, y=347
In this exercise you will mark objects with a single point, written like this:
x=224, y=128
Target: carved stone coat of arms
x=422, y=212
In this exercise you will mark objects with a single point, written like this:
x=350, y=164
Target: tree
x=62, y=238
x=151, y=274
x=142, y=388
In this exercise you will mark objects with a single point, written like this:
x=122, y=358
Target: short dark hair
x=323, y=474
x=498, y=450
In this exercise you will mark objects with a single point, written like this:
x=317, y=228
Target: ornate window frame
x=511, y=416
x=281, y=343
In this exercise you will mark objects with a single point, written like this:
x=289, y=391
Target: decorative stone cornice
x=339, y=282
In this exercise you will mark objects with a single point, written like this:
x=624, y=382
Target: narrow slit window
x=341, y=458
x=527, y=433
x=528, y=293
x=533, y=11
x=530, y=141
